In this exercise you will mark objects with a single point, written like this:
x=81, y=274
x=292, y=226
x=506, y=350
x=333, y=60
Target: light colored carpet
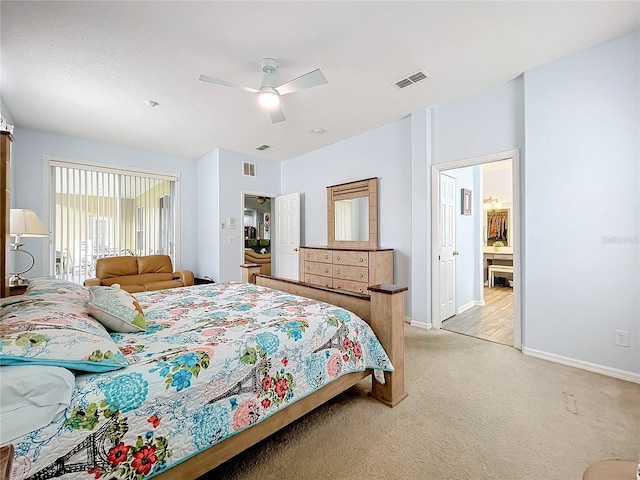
x=476, y=410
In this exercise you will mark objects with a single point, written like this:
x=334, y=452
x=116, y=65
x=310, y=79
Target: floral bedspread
x=214, y=360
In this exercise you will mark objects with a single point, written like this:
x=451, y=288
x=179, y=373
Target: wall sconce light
x=24, y=223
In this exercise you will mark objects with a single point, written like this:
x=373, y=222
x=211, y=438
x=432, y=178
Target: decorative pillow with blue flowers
x=116, y=309
x=35, y=331
x=58, y=290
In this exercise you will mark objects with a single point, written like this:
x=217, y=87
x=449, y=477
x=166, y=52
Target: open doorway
x=482, y=281
x=258, y=232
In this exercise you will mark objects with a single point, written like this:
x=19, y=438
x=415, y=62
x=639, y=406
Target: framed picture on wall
x=466, y=202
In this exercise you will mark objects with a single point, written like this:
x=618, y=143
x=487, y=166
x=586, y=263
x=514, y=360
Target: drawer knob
x=308, y=255
x=338, y=257
x=361, y=274
x=326, y=270
x=308, y=267
x=337, y=272
x=360, y=290
x=339, y=286
x=361, y=259
x=326, y=257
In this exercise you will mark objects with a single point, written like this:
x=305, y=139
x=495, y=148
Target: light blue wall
x=208, y=168
x=31, y=183
x=230, y=185
x=384, y=153
x=583, y=204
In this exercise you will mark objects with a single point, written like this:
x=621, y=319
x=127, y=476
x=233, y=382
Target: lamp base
x=18, y=281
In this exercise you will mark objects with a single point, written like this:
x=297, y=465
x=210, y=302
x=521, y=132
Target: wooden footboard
x=384, y=311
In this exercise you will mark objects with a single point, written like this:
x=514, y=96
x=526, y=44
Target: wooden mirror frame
x=361, y=188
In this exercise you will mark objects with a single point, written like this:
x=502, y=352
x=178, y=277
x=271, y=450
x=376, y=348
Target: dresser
x=352, y=270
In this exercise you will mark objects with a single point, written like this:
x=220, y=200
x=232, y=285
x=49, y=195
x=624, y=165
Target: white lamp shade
x=25, y=223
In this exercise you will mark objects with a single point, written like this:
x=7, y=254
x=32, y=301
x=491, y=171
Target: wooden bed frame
x=383, y=310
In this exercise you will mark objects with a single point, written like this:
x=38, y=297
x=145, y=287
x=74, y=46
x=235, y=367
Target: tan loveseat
x=139, y=274
x=262, y=259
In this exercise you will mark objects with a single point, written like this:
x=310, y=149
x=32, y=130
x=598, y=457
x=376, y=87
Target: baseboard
x=592, y=367
x=407, y=320
x=466, y=307
x=428, y=326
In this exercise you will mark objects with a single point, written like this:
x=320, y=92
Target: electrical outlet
x=621, y=338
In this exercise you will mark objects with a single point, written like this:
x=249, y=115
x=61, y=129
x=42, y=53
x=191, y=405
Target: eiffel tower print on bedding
x=215, y=360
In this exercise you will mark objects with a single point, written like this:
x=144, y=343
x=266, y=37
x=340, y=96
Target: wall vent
x=264, y=146
x=411, y=79
x=248, y=169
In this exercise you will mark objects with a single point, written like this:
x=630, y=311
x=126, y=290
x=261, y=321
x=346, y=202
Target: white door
x=287, y=233
x=446, y=240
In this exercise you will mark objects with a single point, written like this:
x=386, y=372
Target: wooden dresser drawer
x=344, y=257
x=347, y=272
x=318, y=280
x=316, y=268
x=350, y=286
x=313, y=255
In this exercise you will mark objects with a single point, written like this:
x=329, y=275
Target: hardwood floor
x=493, y=322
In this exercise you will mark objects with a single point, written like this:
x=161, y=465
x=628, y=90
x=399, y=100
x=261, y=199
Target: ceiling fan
x=269, y=94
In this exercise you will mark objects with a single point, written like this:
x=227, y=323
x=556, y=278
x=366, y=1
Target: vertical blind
x=106, y=212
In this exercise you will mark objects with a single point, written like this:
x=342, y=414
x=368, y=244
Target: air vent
x=263, y=147
x=248, y=169
x=411, y=79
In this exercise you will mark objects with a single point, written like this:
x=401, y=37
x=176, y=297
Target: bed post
x=249, y=272
x=387, y=321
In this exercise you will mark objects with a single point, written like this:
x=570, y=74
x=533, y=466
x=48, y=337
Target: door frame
x=514, y=156
x=272, y=196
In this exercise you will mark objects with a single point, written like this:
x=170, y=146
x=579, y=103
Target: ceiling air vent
x=411, y=79
x=263, y=147
x=248, y=169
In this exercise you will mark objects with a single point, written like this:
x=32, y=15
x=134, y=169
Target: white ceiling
x=85, y=68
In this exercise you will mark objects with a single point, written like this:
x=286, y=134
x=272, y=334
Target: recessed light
x=151, y=103
x=318, y=131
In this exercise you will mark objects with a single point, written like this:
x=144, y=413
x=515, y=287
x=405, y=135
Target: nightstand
x=17, y=290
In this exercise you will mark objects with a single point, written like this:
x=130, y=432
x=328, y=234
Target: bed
x=204, y=372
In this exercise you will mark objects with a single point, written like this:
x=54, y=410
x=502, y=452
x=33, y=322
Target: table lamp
x=24, y=223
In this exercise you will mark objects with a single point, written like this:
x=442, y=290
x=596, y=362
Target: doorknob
x=456, y=252
x=295, y=249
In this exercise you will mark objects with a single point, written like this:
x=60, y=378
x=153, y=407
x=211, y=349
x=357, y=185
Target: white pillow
x=31, y=397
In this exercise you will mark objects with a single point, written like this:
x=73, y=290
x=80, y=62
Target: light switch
x=231, y=239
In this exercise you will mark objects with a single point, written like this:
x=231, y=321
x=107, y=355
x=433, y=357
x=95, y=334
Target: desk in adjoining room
x=496, y=256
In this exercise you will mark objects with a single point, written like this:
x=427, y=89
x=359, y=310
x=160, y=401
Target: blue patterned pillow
x=58, y=290
x=116, y=309
x=42, y=332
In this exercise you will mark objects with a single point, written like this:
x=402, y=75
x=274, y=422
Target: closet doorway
x=487, y=240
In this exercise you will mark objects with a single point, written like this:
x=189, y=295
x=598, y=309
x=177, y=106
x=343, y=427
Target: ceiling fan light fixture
x=268, y=99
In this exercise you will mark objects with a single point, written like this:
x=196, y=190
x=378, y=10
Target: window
x=101, y=211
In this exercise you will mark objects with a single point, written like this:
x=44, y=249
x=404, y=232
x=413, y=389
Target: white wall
x=384, y=153
x=583, y=212
x=30, y=187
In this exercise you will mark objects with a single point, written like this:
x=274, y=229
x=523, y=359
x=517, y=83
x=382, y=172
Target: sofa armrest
x=92, y=282
x=185, y=276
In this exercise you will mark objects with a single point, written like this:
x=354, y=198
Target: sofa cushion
x=162, y=285
x=116, y=267
x=155, y=264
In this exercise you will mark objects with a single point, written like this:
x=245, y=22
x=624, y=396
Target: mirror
x=352, y=219
x=352, y=214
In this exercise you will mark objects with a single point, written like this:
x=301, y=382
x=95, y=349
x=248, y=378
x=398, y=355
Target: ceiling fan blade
x=277, y=116
x=308, y=80
x=217, y=81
